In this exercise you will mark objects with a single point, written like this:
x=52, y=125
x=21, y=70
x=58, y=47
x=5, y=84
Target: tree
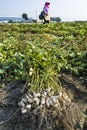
x=10, y=21
x=56, y=19
x=25, y=16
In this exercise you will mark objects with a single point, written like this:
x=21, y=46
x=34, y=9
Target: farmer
x=46, y=14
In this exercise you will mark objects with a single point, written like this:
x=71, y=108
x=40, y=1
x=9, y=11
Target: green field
x=37, y=53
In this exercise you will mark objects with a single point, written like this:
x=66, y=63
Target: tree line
x=25, y=17
x=55, y=19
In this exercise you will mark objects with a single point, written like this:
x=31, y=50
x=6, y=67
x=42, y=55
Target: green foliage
x=56, y=19
x=10, y=21
x=24, y=16
x=37, y=53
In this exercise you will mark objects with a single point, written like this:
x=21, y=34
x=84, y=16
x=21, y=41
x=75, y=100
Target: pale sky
x=67, y=10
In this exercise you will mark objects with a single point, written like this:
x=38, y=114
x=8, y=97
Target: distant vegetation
x=55, y=19
x=25, y=16
x=27, y=19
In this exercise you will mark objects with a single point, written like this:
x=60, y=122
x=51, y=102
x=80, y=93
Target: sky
x=67, y=10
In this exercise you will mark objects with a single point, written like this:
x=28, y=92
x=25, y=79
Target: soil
x=12, y=119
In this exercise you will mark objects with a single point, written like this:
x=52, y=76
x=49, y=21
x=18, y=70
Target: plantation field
x=45, y=56
x=44, y=49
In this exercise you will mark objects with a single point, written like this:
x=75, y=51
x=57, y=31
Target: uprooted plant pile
x=49, y=111
x=24, y=109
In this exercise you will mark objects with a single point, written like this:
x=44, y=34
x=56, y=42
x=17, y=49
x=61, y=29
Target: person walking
x=44, y=15
x=46, y=12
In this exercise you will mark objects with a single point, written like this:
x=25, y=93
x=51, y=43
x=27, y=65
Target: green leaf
x=1, y=71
